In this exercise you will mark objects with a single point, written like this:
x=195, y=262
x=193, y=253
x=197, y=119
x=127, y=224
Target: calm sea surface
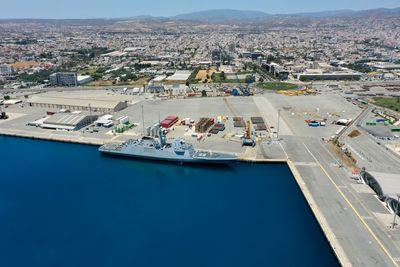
x=66, y=205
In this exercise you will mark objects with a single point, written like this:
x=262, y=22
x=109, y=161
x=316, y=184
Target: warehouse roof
x=159, y=78
x=94, y=103
x=387, y=66
x=182, y=75
x=65, y=119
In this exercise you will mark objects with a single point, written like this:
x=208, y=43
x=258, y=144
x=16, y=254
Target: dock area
x=354, y=221
x=53, y=137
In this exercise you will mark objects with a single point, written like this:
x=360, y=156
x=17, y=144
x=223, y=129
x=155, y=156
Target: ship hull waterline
x=168, y=159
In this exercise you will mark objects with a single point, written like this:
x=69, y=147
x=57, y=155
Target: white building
x=64, y=79
x=180, y=76
x=82, y=79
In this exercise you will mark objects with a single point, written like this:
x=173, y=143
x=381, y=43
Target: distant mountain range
x=230, y=16
x=224, y=15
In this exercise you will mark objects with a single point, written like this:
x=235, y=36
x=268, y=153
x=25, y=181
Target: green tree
x=131, y=76
x=96, y=76
x=223, y=76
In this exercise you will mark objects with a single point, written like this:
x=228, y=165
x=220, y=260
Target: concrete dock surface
x=354, y=221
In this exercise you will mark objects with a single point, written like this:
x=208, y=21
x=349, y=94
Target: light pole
x=279, y=119
x=90, y=114
x=395, y=212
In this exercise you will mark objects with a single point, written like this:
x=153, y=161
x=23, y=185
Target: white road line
x=385, y=250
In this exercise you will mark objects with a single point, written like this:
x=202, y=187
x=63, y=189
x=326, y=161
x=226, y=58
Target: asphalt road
x=353, y=217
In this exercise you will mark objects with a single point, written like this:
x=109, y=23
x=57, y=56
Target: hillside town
x=140, y=53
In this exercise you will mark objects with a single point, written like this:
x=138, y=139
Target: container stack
x=203, y=125
x=238, y=122
x=219, y=127
x=169, y=121
x=259, y=124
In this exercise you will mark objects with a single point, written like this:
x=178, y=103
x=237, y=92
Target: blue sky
x=126, y=8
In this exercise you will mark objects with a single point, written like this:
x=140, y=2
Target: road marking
x=305, y=163
x=359, y=201
x=354, y=209
x=284, y=151
x=367, y=217
x=356, y=152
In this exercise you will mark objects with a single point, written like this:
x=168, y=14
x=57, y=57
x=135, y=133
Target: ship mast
x=144, y=133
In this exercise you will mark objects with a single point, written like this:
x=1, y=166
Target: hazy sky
x=126, y=8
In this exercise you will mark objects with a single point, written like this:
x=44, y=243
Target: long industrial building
x=95, y=105
x=68, y=121
x=330, y=76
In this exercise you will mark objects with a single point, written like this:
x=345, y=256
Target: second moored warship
x=177, y=151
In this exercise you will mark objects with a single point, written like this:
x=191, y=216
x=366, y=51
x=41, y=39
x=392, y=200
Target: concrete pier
x=54, y=137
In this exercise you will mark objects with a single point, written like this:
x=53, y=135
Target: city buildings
x=64, y=79
x=6, y=70
x=135, y=52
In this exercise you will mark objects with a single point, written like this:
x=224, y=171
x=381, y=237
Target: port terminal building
x=77, y=104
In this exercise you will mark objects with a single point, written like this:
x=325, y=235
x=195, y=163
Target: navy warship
x=153, y=149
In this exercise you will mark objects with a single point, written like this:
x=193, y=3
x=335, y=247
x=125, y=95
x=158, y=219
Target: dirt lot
x=25, y=64
x=100, y=83
x=138, y=83
x=202, y=74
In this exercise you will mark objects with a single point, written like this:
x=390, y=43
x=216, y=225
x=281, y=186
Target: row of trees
x=360, y=67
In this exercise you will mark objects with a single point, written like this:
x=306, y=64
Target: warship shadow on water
x=177, y=151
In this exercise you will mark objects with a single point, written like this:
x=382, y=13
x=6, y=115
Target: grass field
x=392, y=103
x=277, y=86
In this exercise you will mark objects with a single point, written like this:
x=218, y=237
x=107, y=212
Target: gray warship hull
x=176, y=152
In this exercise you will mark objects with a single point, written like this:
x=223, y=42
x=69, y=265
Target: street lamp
x=144, y=131
x=279, y=119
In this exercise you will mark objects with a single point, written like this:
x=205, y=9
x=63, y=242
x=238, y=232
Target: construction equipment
x=3, y=116
x=247, y=140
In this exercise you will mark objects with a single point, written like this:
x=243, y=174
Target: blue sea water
x=66, y=205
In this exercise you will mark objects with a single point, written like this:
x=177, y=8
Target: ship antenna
x=160, y=131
